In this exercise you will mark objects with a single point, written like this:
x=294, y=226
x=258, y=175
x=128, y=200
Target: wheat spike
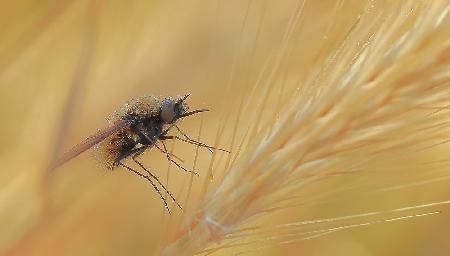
x=367, y=97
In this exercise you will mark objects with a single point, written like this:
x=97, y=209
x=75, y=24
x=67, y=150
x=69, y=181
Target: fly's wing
x=91, y=141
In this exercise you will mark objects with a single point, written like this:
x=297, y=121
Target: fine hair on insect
x=139, y=125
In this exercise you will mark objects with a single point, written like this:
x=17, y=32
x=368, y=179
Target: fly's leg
x=193, y=142
x=149, y=180
x=152, y=141
x=189, y=140
x=138, y=151
x=169, y=158
x=155, y=178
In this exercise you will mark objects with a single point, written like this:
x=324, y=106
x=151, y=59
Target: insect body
x=147, y=117
x=137, y=126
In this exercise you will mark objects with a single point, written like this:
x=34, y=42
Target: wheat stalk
x=366, y=100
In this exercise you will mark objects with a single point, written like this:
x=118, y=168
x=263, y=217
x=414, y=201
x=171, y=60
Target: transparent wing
x=91, y=141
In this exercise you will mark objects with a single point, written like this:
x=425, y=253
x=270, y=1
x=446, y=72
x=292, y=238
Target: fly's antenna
x=180, y=101
x=184, y=98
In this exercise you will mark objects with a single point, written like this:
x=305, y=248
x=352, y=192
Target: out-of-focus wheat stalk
x=369, y=98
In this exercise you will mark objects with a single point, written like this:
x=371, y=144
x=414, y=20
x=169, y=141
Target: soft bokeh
x=66, y=65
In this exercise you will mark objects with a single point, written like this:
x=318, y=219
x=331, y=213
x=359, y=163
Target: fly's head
x=173, y=109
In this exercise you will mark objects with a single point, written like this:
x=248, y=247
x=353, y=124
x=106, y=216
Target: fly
x=139, y=125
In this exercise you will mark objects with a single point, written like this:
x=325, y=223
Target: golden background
x=66, y=65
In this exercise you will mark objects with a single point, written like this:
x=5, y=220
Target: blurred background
x=66, y=65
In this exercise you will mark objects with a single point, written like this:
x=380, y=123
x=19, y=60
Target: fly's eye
x=168, y=111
